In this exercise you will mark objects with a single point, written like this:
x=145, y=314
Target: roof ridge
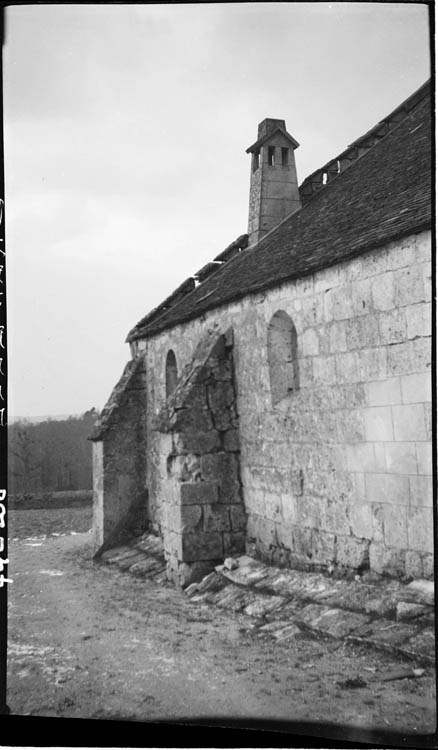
x=318, y=179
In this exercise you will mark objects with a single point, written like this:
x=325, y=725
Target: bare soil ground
x=89, y=641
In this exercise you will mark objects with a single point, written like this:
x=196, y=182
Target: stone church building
x=278, y=403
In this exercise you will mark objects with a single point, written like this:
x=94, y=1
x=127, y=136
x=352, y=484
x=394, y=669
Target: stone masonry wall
x=339, y=472
x=201, y=512
x=120, y=497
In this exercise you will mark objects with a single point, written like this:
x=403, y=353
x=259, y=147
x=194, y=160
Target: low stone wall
x=34, y=500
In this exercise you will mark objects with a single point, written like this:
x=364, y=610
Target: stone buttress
x=119, y=454
x=202, y=515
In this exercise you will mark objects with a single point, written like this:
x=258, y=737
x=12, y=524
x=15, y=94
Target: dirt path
x=86, y=640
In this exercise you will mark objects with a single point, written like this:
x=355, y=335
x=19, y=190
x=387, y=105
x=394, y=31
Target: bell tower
x=274, y=187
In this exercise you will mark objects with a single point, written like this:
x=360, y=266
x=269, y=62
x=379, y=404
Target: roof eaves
x=187, y=287
x=278, y=281
x=318, y=179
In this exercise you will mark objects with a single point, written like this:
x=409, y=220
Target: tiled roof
x=384, y=195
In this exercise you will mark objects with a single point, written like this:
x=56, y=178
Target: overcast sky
x=125, y=135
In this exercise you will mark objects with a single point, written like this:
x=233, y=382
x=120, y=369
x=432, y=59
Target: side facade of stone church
x=279, y=402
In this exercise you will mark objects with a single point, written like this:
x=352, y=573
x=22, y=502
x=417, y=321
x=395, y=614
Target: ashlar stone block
x=401, y=458
x=312, y=311
x=377, y=520
x=373, y=363
x=324, y=370
x=197, y=442
x=220, y=394
x=428, y=566
x=416, y=388
x=289, y=509
x=190, y=517
x=363, y=332
x=421, y=349
x=231, y=441
x=216, y=518
x=424, y=458
x=234, y=543
x=302, y=542
x=395, y=526
x=413, y=564
x=199, y=493
x=329, y=278
x=378, y=423
x=323, y=547
x=184, y=468
x=418, y=320
x=284, y=535
x=420, y=529
x=194, y=419
x=273, y=507
x=423, y=249
x=421, y=490
x=340, y=302
x=338, y=337
x=230, y=491
x=387, y=488
x=218, y=465
x=224, y=419
x=202, y=546
x=362, y=297
x=383, y=392
x=392, y=326
x=382, y=290
x=335, y=515
x=347, y=367
x=309, y=342
x=409, y=422
x=409, y=286
x=387, y=560
x=352, y=552
x=238, y=518
x=309, y=512
x=360, y=457
x=428, y=420
x=361, y=521
x=380, y=458
x=265, y=531
x=349, y=425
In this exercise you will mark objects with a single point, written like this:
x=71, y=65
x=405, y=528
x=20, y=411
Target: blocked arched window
x=282, y=356
x=171, y=373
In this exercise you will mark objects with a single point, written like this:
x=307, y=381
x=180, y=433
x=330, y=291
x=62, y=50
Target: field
x=45, y=521
x=68, y=499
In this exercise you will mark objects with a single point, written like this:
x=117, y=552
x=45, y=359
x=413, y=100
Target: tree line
x=50, y=456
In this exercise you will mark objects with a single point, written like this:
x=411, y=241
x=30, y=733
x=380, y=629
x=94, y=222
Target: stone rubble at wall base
x=283, y=604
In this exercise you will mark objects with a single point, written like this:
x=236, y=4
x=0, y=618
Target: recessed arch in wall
x=282, y=356
x=171, y=372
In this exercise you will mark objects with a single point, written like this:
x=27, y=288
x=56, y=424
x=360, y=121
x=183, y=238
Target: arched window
x=282, y=356
x=171, y=373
